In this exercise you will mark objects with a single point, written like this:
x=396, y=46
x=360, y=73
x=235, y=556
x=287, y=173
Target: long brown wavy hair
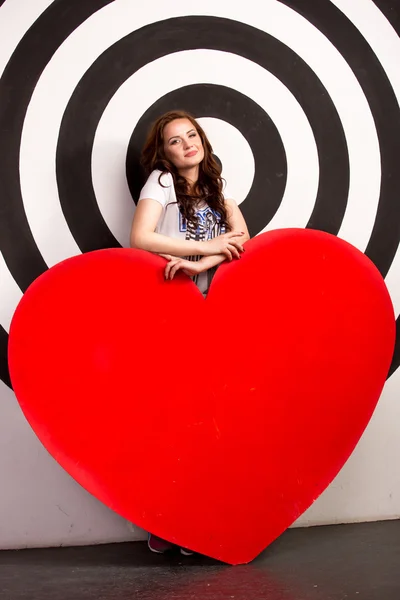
x=209, y=184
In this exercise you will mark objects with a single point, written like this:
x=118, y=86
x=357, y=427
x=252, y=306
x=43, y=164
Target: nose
x=187, y=144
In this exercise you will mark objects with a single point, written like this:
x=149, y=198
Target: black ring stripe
x=384, y=240
x=4, y=372
x=392, y=13
x=58, y=2
x=396, y=354
x=19, y=79
x=126, y=56
x=379, y=93
x=207, y=100
x=17, y=83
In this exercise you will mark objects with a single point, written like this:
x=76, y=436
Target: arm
x=143, y=236
x=236, y=222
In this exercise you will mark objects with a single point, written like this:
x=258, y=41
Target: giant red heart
x=213, y=423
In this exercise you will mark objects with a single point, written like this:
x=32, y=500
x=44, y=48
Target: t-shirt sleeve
x=154, y=190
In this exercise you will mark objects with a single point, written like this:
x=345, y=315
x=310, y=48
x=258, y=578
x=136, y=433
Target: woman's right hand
x=225, y=244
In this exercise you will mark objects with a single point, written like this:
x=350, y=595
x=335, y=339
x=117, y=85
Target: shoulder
x=157, y=186
x=157, y=177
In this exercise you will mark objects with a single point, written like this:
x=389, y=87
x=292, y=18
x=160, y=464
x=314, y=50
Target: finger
x=227, y=253
x=237, y=245
x=234, y=234
x=168, y=268
x=174, y=269
x=167, y=256
x=234, y=251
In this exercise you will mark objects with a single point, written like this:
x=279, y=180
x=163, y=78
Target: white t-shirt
x=172, y=223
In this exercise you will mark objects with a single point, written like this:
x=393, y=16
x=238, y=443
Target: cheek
x=170, y=153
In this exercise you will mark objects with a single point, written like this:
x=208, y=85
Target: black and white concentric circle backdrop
x=300, y=100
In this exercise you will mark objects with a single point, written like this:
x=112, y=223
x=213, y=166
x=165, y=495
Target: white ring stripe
x=191, y=67
x=76, y=55
x=15, y=18
x=239, y=166
x=345, y=91
x=10, y=295
x=379, y=33
x=385, y=43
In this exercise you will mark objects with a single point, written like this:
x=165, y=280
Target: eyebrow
x=177, y=136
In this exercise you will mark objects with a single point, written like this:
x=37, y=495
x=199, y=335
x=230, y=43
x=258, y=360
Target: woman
x=183, y=213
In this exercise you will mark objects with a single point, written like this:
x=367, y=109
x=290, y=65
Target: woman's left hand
x=175, y=264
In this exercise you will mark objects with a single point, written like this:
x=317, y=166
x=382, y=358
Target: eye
x=193, y=134
x=174, y=142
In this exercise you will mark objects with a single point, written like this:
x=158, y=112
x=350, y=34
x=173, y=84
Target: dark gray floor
x=345, y=562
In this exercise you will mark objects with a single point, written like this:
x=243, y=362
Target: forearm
x=216, y=259
x=208, y=262
x=162, y=244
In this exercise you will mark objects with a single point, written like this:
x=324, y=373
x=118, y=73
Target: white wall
x=40, y=505
x=368, y=486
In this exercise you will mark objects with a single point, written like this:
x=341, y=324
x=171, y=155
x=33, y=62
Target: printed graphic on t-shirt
x=208, y=227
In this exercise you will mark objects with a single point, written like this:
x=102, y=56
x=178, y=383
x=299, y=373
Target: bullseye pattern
x=300, y=98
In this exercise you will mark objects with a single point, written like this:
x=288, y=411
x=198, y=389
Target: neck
x=191, y=175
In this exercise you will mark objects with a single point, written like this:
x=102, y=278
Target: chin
x=193, y=161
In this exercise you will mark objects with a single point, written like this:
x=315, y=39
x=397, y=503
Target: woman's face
x=182, y=144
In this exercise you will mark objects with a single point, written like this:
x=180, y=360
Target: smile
x=192, y=153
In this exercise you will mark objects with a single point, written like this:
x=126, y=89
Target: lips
x=192, y=153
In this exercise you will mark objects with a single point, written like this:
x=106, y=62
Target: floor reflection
x=239, y=583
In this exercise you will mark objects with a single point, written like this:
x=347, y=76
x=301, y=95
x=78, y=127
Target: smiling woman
x=184, y=212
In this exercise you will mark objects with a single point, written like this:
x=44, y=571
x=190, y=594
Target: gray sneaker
x=158, y=545
x=186, y=552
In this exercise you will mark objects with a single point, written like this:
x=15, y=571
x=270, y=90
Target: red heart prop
x=212, y=423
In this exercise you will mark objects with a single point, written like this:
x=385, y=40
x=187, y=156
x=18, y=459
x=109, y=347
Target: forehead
x=178, y=127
